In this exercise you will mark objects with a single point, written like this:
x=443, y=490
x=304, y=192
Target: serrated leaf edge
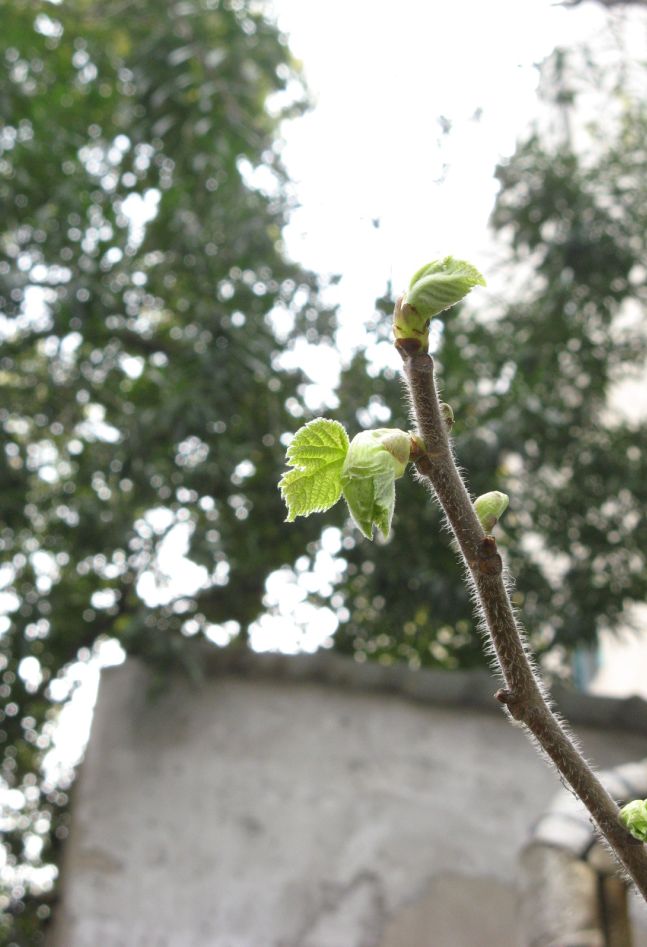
x=317, y=464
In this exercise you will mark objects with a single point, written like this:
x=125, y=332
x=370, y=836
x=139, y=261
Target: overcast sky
x=382, y=75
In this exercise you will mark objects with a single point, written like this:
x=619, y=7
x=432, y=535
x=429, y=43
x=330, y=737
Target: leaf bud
x=490, y=507
x=433, y=288
x=447, y=413
x=374, y=461
x=634, y=818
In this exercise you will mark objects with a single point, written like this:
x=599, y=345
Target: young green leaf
x=317, y=453
x=374, y=461
x=434, y=288
x=371, y=501
x=441, y=284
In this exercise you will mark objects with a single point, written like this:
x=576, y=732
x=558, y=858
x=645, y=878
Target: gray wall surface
x=273, y=810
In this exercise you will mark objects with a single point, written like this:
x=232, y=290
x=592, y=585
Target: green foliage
x=317, y=454
x=142, y=282
x=142, y=278
x=326, y=465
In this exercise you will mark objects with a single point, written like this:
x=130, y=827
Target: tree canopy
x=142, y=286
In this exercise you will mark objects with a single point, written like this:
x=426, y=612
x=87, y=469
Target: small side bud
x=490, y=508
x=634, y=818
x=447, y=413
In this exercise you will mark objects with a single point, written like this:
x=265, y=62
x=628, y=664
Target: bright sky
x=382, y=75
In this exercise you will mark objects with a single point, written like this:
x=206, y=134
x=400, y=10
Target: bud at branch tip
x=433, y=288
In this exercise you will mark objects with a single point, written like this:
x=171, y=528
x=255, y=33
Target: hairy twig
x=523, y=694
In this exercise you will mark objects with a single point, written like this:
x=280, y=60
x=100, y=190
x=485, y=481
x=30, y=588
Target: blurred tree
x=530, y=385
x=606, y=3
x=142, y=286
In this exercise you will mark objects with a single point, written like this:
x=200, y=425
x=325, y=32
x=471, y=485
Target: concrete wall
x=277, y=809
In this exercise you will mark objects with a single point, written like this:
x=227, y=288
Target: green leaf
x=317, y=453
x=374, y=461
x=433, y=288
x=441, y=284
x=371, y=501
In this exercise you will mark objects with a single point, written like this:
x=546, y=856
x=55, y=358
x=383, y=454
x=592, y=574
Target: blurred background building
x=312, y=801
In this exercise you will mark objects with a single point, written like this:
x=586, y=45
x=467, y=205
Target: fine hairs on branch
x=325, y=465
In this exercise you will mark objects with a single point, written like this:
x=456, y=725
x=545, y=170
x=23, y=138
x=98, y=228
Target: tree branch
x=523, y=694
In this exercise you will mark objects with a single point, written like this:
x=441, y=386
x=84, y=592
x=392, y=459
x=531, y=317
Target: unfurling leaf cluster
x=441, y=284
x=433, y=288
x=326, y=465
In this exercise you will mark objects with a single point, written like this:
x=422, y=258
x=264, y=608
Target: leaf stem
x=523, y=694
